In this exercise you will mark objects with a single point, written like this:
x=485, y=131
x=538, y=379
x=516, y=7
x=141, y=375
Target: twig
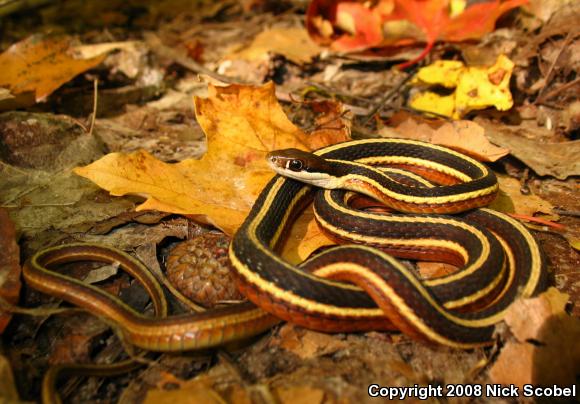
x=539, y=220
x=95, y=100
x=564, y=212
x=548, y=77
x=165, y=52
x=387, y=97
x=37, y=312
x=555, y=91
x=333, y=91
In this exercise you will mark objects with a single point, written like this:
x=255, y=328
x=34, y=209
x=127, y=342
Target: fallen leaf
x=304, y=238
x=511, y=199
x=469, y=138
x=191, y=392
x=556, y=159
x=294, y=43
x=306, y=343
x=475, y=87
x=355, y=26
x=464, y=136
x=429, y=270
x=333, y=124
x=242, y=123
x=39, y=65
x=409, y=127
x=544, y=9
x=300, y=395
x=555, y=358
x=9, y=266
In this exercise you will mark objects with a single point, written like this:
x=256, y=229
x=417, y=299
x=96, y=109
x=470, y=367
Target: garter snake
x=393, y=296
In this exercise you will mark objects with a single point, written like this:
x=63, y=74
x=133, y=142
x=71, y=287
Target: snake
x=353, y=287
x=359, y=287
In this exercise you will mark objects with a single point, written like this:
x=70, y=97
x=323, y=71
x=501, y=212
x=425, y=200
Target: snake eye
x=295, y=165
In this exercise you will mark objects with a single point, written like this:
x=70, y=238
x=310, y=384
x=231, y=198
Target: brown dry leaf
x=429, y=270
x=9, y=266
x=191, y=392
x=469, y=138
x=294, y=43
x=242, y=123
x=300, y=395
x=307, y=344
x=560, y=160
x=511, y=200
x=39, y=65
x=410, y=129
x=555, y=359
x=464, y=136
x=333, y=124
x=544, y=9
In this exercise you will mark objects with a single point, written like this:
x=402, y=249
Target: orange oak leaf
x=242, y=123
x=354, y=26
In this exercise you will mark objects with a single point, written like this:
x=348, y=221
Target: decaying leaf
x=554, y=358
x=9, y=266
x=39, y=65
x=475, y=87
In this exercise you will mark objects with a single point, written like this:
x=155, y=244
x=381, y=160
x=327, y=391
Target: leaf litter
x=320, y=97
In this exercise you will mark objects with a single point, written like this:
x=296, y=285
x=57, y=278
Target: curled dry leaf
x=242, y=123
x=39, y=65
x=554, y=358
x=9, y=266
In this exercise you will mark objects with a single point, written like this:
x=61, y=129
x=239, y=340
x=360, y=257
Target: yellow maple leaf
x=242, y=124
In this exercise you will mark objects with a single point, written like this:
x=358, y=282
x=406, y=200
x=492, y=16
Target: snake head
x=303, y=166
